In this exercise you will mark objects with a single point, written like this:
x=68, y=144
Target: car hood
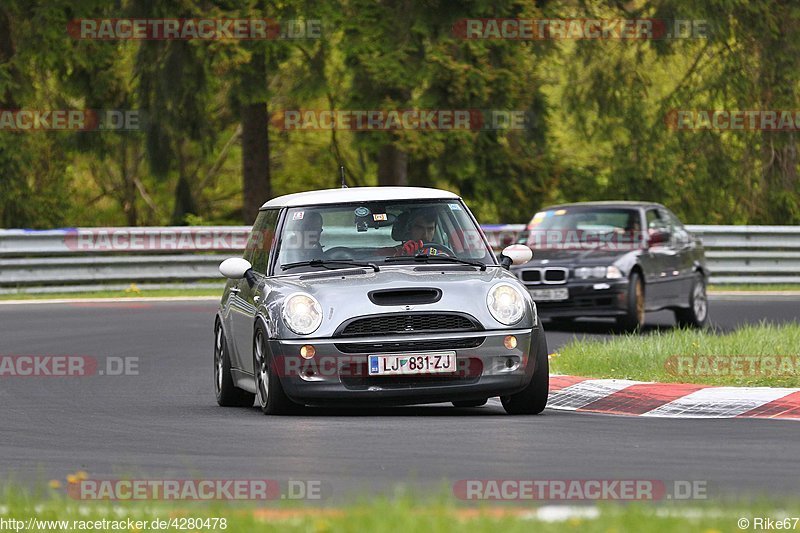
x=343, y=294
x=586, y=256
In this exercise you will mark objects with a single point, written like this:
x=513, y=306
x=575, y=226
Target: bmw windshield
x=380, y=233
x=582, y=227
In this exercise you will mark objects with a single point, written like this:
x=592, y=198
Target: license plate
x=549, y=295
x=412, y=363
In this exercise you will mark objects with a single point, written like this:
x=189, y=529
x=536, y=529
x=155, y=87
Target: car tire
x=633, y=319
x=470, y=403
x=228, y=394
x=533, y=398
x=696, y=315
x=270, y=396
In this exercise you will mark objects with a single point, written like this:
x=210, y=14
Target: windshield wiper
x=325, y=262
x=423, y=258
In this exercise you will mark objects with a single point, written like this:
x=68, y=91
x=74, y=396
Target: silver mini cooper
x=376, y=295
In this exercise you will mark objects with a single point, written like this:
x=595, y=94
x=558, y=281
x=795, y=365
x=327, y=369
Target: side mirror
x=659, y=237
x=516, y=254
x=235, y=268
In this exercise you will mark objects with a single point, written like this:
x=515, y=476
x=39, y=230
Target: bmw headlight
x=506, y=303
x=598, y=272
x=302, y=313
x=613, y=273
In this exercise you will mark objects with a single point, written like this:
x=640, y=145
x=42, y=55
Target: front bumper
x=595, y=298
x=338, y=371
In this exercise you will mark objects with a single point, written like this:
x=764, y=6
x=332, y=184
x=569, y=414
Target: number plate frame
x=383, y=364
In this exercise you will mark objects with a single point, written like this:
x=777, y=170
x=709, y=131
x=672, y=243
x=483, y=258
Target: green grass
x=399, y=513
x=755, y=287
x=654, y=356
x=115, y=294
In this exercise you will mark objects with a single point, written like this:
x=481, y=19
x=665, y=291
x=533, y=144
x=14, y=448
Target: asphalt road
x=164, y=423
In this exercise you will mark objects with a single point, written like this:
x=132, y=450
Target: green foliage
x=595, y=109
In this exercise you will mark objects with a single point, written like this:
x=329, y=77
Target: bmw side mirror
x=237, y=268
x=516, y=254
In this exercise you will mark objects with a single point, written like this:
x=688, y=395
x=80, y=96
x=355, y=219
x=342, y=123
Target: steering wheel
x=440, y=249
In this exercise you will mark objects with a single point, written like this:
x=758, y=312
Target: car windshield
x=376, y=231
x=581, y=227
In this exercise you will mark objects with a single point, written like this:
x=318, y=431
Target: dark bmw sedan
x=614, y=259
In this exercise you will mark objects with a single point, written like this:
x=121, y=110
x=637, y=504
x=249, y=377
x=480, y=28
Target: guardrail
x=71, y=258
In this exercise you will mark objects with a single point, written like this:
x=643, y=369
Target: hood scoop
x=413, y=296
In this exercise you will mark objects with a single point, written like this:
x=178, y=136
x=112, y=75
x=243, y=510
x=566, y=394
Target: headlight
x=506, y=303
x=302, y=313
x=613, y=273
x=598, y=272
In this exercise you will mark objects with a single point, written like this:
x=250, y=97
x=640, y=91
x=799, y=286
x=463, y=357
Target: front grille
x=407, y=323
x=546, y=275
x=408, y=346
x=355, y=376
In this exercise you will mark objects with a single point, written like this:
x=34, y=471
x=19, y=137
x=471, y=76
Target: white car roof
x=358, y=194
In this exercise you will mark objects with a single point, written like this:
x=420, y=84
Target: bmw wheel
x=696, y=314
x=633, y=319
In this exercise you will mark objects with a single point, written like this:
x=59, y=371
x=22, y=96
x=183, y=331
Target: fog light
x=510, y=342
x=307, y=351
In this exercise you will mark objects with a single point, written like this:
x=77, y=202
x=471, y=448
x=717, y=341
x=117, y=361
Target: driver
x=420, y=229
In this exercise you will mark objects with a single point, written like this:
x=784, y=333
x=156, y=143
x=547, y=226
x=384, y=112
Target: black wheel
x=634, y=316
x=471, y=403
x=269, y=392
x=696, y=315
x=533, y=398
x=228, y=395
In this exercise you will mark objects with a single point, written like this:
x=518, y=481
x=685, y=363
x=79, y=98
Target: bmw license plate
x=549, y=295
x=412, y=363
